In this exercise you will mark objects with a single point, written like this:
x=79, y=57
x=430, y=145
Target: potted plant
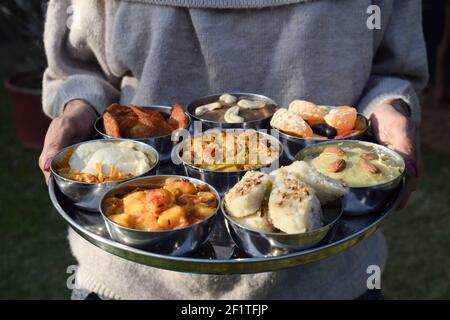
x=23, y=20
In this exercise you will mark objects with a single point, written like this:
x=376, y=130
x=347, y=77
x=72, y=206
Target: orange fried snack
x=111, y=125
x=116, y=109
x=309, y=111
x=291, y=123
x=341, y=118
x=153, y=120
x=178, y=119
x=98, y=177
x=135, y=122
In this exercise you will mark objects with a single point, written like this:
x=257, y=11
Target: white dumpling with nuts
x=293, y=205
x=246, y=197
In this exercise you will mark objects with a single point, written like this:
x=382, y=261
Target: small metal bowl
x=363, y=200
x=86, y=195
x=222, y=181
x=175, y=242
x=163, y=144
x=292, y=144
x=263, y=123
x=267, y=244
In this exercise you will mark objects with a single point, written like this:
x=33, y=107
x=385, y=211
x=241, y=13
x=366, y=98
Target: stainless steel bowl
x=85, y=195
x=363, y=200
x=292, y=144
x=208, y=124
x=163, y=144
x=222, y=181
x=170, y=242
x=266, y=244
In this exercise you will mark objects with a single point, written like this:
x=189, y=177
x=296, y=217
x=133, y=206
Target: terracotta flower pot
x=28, y=118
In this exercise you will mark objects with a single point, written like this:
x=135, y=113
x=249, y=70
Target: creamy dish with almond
x=355, y=166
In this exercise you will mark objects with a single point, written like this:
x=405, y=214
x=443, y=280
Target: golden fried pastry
x=291, y=123
x=136, y=122
x=178, y=119
x=309, y=111
x=111, y=125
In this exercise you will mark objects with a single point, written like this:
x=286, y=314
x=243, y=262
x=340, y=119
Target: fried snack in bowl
x=341, y=118
x=291, y=123
x=135, y=122
x=309, y=111
x=85, y=171
x=153, y=125
x=163, y=214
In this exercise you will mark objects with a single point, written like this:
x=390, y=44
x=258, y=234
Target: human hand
x=394, y=129
x=74, y=125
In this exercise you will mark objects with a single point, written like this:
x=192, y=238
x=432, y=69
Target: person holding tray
x=160, y=51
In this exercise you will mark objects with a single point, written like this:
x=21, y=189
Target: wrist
x=80, y=107
x=395, y=104
x=402, y=107
x=80, y=114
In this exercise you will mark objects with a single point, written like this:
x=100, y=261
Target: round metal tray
x=219, y=255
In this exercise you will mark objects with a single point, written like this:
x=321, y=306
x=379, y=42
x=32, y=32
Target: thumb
x=45, y=161
x=405, y=142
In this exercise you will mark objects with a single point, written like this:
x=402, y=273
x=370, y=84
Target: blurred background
x=33, y=248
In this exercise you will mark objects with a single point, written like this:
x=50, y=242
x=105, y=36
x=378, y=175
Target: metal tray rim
x=221, y=266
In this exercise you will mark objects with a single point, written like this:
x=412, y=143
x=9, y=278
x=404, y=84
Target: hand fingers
x=413, y=169
x=76, y=124
x=51, y=147
x=405, y=143
x=45, y=161
x=46, y=176
x=54, y=142
x=398, y=132
x=410, y=187
x=48, y=152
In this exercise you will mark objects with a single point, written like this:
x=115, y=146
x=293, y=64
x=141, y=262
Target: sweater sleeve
x=399, y=69
x=74, y=59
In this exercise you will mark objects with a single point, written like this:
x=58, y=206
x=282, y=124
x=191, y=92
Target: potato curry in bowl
x=176, y=203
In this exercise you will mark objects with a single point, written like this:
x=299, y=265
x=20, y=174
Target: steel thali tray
x=219, y=255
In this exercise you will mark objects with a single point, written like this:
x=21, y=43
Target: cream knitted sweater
x=161, y=51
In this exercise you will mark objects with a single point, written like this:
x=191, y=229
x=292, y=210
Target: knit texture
x=318, y=50
x=142, y=53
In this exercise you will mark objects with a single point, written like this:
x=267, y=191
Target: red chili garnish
x=347, y=133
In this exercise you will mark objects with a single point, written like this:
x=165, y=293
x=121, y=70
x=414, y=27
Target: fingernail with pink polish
x=47, y=164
